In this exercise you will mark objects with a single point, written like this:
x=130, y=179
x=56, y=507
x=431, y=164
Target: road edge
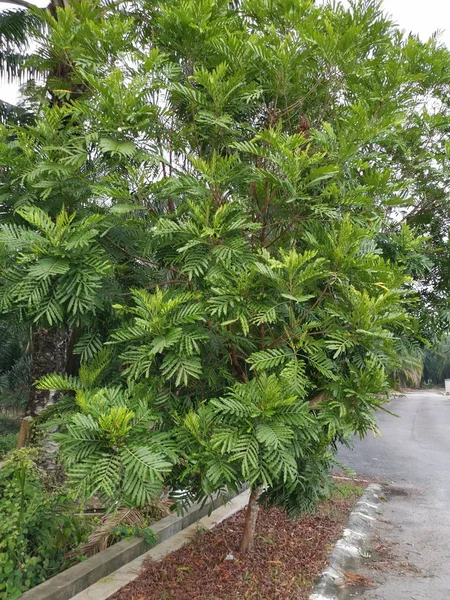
x=349, y=550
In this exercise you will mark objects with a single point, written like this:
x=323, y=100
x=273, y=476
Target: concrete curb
x=350, y=548
x=74, y=580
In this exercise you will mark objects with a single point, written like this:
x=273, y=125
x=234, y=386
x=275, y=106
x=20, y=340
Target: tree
x=231, y=171
x=63, y=328
x=437, y=362
x=55, y=272
x=17, y=27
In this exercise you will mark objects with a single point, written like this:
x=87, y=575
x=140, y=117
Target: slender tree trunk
x=49, y=355
x=72, y=360
x=251, y=516
x=25, y=432
x=49, y=350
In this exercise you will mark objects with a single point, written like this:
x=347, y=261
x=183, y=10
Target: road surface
x=413, y=456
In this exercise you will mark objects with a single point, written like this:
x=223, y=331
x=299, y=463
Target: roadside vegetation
x=223, y=239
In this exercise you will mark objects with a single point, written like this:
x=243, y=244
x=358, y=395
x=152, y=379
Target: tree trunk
x=251, y=516
x=49, y=350
x=24, y=434
x=49, y=355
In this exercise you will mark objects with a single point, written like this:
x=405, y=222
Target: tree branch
x=145, y=261
x=308, y=312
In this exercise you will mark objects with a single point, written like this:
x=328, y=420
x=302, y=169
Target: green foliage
x=168, y=323
x=16, y=27
x=37, y=527
x=14, y=365
x=215, y=192
x=111, y=446
x=256, y=433
x=9, y=424
x=436, y=366
x=59, y=269
x=8, y=442
x=126, y=531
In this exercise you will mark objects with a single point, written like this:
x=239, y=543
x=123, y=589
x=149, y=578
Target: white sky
x=417, y=16
x=422, y=17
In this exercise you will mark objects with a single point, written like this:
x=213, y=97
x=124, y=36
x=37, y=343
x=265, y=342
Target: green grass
x=347, y=490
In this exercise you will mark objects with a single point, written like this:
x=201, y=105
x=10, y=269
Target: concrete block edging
x=350, y=548
x=72, y=581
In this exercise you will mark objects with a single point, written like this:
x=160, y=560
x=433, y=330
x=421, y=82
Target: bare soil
x=287, y=557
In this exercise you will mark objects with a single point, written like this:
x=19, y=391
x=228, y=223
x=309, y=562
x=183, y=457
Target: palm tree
x=17, y=28
x=20, y=29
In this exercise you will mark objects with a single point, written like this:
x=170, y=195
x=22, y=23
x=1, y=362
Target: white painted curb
x=355, y=539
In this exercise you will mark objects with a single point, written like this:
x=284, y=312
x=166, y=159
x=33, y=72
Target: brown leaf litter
x=287, y=557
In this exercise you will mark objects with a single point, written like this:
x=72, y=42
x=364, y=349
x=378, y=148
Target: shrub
x=7, y=443
x=9, y=424
x=37, y=527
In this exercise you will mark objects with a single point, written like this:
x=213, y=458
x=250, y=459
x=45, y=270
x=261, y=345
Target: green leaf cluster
x=215, y=191
x=37, y=527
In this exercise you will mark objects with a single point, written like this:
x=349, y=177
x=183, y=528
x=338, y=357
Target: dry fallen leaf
x=355, y=579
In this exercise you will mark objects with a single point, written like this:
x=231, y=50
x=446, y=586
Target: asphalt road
x=413, y=533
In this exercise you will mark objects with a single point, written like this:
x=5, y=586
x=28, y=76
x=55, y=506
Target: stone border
x=74, y=580
x=350, y=548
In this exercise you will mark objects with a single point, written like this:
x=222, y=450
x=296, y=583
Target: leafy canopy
x=211, y=193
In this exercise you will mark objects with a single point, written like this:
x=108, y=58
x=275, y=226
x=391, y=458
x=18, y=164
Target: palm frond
x=13, y=65
x=17, y=29
x=106, y=531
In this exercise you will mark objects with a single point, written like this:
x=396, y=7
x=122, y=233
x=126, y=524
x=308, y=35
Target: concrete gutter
x=74, y=580
x=108, y=586
x=349, y=550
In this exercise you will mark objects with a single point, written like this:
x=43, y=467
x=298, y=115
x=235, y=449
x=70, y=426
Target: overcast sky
x=417, y=16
